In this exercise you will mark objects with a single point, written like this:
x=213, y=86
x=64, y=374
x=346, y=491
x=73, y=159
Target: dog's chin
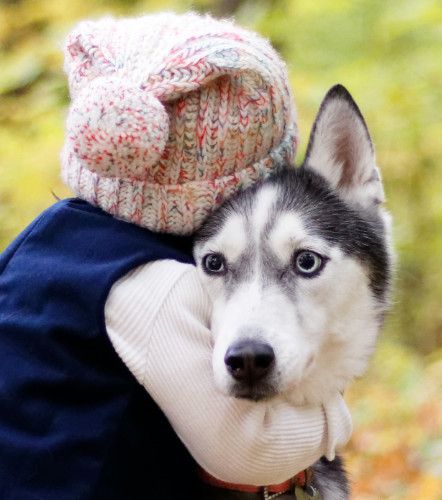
x=256, y=392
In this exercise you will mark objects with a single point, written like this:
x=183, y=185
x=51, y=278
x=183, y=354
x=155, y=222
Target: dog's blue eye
x=214, y=263
x=308, y=263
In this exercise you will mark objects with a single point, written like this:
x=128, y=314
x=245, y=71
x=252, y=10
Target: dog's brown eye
x=308, y=263
x=214, y=263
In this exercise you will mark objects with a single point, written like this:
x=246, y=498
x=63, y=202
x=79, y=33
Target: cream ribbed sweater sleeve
x=157, y=317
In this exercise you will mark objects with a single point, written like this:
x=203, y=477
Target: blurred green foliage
x=388, y=53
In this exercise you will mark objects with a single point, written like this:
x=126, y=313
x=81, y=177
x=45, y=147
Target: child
x=170, y=115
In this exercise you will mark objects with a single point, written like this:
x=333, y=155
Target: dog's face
x=298, y=268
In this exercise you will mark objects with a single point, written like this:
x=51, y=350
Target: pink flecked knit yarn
x=117, y=131
x=172, y=114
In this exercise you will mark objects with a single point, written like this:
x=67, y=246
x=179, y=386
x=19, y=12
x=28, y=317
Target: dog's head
x=299, y=268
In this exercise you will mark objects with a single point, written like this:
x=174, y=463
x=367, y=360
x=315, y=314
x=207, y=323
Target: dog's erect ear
x=341, y=150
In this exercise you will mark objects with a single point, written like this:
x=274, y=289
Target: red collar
x=301, y=479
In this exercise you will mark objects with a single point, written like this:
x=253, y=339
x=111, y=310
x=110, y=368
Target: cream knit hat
x=171, y=114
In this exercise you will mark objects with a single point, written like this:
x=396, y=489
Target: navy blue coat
x=74, y=422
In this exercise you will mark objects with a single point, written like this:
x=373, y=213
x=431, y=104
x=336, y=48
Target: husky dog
x=299, y=272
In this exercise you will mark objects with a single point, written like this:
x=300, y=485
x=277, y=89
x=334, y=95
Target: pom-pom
x=117, y=130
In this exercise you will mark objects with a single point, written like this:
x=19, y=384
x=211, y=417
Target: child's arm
x=157, y=317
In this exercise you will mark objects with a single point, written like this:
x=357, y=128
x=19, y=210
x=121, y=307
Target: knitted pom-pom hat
x=171, y=114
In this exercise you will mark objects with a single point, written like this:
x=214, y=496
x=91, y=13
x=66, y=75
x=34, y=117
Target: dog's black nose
x=249, y=360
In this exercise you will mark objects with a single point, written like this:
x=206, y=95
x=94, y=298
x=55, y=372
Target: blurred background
x=388, y=53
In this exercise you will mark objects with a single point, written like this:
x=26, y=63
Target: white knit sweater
x=157, y=317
